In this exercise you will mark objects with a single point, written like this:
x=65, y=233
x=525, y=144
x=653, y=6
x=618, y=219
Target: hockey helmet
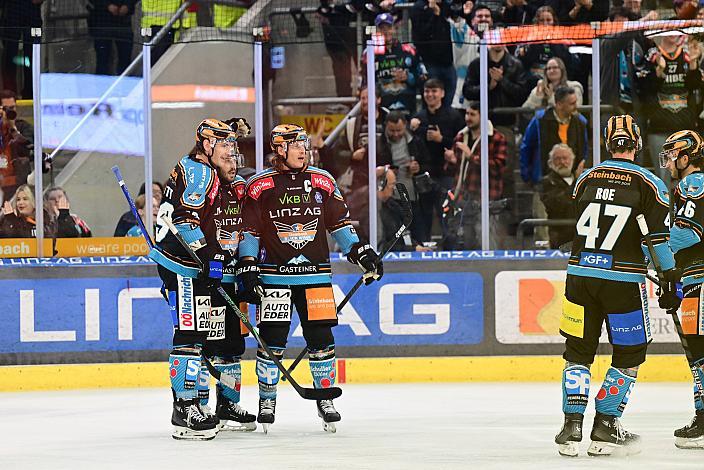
x=622, y=133
x=285, y=134
x=215, y=129
x=682, y=143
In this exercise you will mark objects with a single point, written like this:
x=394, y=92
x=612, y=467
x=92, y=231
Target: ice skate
x=267, y=410
x=327, y=411
x=232, y=417
x=692, y=435
x=570, y=435
x=191, y=423
x=609, y=438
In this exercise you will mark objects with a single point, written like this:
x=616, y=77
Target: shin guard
x=267, y=372
x=576, y=379
x=203, y=385
x=698, y=375
x=233, y=368
x=322, y=367
x=615, y=391
x=184, y=371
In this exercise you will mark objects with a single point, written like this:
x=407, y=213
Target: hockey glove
x=211, y=275
x=367, y=259
x=670, y=296
x=249, y=286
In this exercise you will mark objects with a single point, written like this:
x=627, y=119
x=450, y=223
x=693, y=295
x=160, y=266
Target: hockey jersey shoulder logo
x=297, y=235
x=323, y=182
x=258, y=187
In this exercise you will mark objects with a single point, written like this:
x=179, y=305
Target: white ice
x=498, y=425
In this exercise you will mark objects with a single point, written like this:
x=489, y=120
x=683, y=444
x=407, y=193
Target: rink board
x=468, y=316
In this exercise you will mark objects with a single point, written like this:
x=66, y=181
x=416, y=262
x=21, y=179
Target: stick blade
x=321, y=393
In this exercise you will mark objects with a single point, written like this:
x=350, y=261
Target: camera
x=10, y=113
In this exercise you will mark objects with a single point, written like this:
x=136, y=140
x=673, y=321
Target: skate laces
x=205, y=409
x=621, y=433
x=236, y=409
x=194, y=413
x=267, y=406
x=327, y=406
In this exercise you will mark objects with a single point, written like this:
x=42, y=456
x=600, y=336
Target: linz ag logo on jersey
x=596, y=260
x=258, y=187
x=322, y=182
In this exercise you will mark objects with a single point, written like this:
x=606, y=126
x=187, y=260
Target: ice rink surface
x=497, y=425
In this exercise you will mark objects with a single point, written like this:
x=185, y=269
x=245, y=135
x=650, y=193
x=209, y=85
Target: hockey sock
x=233, y=368
x=322, y=366
x=698, y=375
x=576, y=379
x=203, y=386
x=184, y=370
x=615, y=391
x=267, y=372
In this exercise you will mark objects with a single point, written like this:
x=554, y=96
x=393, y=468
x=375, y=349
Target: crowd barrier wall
x=101, y=321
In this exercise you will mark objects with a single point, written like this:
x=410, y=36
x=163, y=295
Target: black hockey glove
x=367, y=259
x=670, y=295
x=249, y=286
x=211, y=275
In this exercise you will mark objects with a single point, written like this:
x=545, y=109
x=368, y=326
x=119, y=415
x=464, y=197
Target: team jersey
x=228, y=223
x=669, y=104
x=191, y=197
x=608, y=243
x=285, y=217
x=686, y=233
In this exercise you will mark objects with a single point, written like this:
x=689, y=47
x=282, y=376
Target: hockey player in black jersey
x=285, y=262
x=191, y=198
x=605, y=283
x=225, y=342
x=683, y=156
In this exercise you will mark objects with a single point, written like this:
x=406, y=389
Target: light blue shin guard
x=576, y=379
x=184, y=371
x=267, y=373
x=322, y=367
x=233, y=368
x=615, y=391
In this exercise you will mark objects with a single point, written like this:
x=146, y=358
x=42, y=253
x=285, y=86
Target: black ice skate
x=570, y=435
x=190, y=423
x=692, y=435
x=609, y=438
x=267, y=410
x=330, y=416
x=232, y=417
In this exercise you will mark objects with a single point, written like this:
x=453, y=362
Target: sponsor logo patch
x=276, y=306
x=596, y=260
x=297, y=235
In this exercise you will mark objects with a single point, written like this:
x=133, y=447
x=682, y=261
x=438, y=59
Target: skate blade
x=234, y=426
x=568, y=449
x=265, y=427
x=186, y=434
x=329, y=427
x=601, y=449
x=689, y=443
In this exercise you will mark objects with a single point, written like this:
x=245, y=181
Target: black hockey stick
x=643, y=225
x=307, y=393
x=226, y=379
x=407, y=219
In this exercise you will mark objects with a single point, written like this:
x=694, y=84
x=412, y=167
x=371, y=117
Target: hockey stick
x=226, y=379
x=407, y=219
x=307, y=393
x=643, y=225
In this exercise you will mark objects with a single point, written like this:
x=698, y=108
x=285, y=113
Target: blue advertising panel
x=109, y=314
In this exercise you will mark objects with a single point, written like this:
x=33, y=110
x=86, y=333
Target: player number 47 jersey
x=608, y=243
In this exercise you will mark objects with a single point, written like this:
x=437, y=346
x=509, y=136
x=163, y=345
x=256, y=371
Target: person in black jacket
x=404, y=154
x=340, y=42
x=127, y=220
x=507, y=83
x=111, y=21
x=556, y=192
x=431, y=36
x=18, y=19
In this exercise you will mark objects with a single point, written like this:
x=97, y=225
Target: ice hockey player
x=225, y=343
x=284, y=261
x=191, y=197
x=682, y=156
x=605, y=282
